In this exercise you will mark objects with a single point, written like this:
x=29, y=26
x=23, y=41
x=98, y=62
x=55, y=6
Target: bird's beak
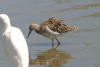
x=29, y=33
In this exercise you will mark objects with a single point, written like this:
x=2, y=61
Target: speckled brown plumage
x=56, y=25
x=52, y=28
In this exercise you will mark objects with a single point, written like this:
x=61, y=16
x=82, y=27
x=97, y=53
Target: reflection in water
x=51, y=58
x=86, y=30
x=61, y=1
x=76, y=7
x=93, y=15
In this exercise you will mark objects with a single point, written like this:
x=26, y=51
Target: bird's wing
x=55, y=26
x=16, y=47
x=52, y=22
x=50, y=31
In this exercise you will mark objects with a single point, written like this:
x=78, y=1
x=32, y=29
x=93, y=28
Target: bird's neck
x=37, y=30
x=3, y=28
x=37, y=27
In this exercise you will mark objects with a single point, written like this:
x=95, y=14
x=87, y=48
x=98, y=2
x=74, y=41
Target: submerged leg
x=58, y=42
x=52, y=43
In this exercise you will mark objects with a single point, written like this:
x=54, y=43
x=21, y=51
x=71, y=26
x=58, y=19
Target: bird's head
x=4, y=19
x=31, y=28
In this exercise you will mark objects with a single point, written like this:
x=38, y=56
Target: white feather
x=14, y=43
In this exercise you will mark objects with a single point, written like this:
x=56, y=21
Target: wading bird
x=14, y=43
x=51, y=29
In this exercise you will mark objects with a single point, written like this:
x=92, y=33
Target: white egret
x=14, y=43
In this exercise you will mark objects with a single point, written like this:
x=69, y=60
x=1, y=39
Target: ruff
x=51, y=29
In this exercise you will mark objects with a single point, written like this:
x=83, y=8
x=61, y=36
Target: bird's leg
x=58, y=42
x=52, y=43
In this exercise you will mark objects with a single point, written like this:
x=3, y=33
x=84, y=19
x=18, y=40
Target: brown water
x=80, y=48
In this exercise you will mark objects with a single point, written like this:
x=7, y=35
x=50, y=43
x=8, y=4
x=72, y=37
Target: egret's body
x=52, y=29
x=14, y=43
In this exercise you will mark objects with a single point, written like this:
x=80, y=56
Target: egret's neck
x=4, y=23
x=4, y=27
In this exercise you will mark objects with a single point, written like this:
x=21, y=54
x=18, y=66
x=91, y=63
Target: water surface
x=80, y=48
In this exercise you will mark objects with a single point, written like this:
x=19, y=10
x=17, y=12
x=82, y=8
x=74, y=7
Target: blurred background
x=79, y=48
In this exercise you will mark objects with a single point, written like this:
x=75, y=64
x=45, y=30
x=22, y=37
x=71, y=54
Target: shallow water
x=79, y=48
